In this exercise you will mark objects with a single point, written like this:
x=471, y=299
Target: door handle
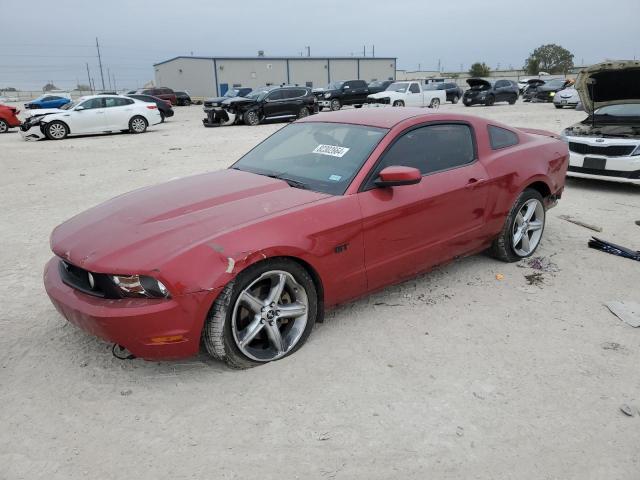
x=474, y=182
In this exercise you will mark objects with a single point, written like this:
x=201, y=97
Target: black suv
x=183, y=99
x=264, y=103
x=543, y=90
x=454, y=92
x=337, y=94
x=489, y=92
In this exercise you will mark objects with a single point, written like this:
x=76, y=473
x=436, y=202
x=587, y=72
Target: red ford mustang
x=325, y=210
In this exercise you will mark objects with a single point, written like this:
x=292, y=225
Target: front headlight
x=140, y=286
x=552, y=94
x=327, y=95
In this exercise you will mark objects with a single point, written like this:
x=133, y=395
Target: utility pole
x=373, y=50
x=439, y=65
x=114, y=82
x=364, y=50
x=308, y=51
x=100, y=62
x=89, y=77
x=419, y=68
x=109, y=78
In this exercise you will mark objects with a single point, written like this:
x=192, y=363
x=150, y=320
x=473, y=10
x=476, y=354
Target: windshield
x=480, y=86
x=399, y=87
x=623, y=110
x=555, y=83
x=258, y=94
x=335, y=85
x=69, y=106
x=432, y=86
x=323, y=157
x=231, y=93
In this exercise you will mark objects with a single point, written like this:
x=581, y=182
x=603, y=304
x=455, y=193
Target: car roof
x=382, y=117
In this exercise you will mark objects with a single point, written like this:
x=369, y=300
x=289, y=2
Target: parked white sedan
x=91, y=114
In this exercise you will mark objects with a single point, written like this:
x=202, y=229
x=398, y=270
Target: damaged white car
x=606, y=145
x=91, y=114
x=407, y=94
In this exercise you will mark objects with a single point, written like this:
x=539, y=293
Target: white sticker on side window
x=332, y=150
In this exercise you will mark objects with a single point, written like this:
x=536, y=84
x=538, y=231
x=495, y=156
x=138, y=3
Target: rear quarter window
x=501, y=137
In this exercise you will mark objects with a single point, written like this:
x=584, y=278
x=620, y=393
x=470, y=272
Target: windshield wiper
x=292, y=183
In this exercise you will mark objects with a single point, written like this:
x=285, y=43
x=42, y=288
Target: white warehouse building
x=213, y=76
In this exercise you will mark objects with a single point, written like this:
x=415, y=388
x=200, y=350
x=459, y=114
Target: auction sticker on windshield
x=332, y=150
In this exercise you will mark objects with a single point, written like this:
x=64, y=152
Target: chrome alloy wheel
x=138, y=125
x=57, y=131
x=527, y=228
x=270, y=316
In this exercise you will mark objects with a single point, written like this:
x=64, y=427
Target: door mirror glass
x=395, y=176
x=79, y=108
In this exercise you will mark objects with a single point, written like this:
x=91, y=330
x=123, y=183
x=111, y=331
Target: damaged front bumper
x=32, y=129
x=613, y=160
x=219, y=117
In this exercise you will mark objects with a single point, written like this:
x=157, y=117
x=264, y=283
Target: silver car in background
x=566, y=98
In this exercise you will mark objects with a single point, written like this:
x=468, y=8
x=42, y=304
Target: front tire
x=266, y=313
x=522, y=230
x=335, y=105
x=304, y=112
x=513, y=100
x=4, y=126
x=56, y=130
x=490, y=100
x=398, y=103
x=557, y=106
x=138, y=124
x=251, y=118
x=162, y=117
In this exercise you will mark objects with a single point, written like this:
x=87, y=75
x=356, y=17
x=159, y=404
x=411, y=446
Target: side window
x=501, y=137
x=166, y=91
x=275, y=95
x=414, y=88
x=288, y=93
x=116, y=102
x=93, y=103
x=501, y=84
x=432, y=148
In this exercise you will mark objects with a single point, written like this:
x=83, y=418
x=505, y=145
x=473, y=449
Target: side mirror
x=79, y=108
x=395, y=176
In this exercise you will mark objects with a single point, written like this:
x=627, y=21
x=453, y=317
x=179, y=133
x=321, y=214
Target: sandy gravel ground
x=455, y=374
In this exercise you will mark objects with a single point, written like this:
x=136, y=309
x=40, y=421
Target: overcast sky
x=53, y=41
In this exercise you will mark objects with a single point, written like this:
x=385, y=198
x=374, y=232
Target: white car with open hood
x=91, y=114
x=408, y=94
x=606, y=145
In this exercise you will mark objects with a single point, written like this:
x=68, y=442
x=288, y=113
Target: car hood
x=567, y=93
x=218, y=99
x=384, y=94
x=238, y=100
x=139, y=231
x=615, y=82
x=474, y=82
x=42, y=111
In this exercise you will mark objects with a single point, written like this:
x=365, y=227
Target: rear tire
x=162, y=117
x=4, y=126
x=358, y=106
x=504, y=246
x=56, y=130
x=226, y=323
x=455, y=99
x=304, y=112
x=513, y=100
x=138, y=124
x=435, y=103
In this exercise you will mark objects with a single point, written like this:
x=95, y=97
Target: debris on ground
x=536, y=279
x=175, y=148
x=499, y=276
x=568, y=218
x=378, y=304
x=638, y=222
x=611, y=346
x=614, y=249
x=628, y=312
x=627, y=410
x=539, y=263
x=126, y=393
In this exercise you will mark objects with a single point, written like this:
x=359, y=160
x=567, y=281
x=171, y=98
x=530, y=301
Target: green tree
x=549, y=58
x=479, y=69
